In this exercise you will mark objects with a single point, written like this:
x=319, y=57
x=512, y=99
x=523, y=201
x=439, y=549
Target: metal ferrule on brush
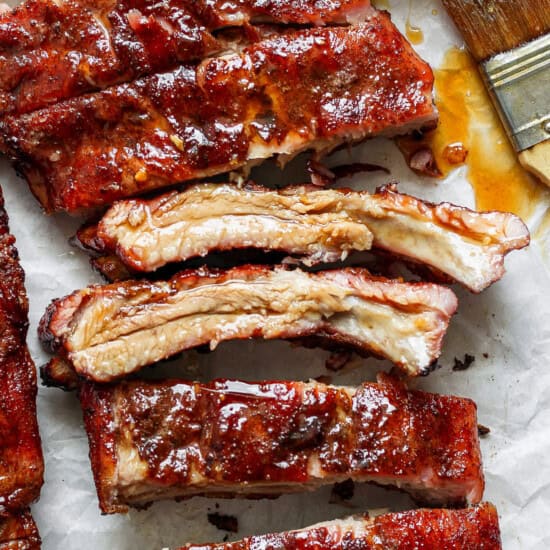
x=519, y=80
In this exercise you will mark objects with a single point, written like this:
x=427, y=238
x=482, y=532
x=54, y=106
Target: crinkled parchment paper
x=507, y=329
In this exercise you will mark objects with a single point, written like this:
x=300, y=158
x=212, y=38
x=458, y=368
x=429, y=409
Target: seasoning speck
x=177, y=141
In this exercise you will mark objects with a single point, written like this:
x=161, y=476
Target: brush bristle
x=494, y=26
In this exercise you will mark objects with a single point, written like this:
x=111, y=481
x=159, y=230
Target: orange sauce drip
x=471, y=133
x=414, y=34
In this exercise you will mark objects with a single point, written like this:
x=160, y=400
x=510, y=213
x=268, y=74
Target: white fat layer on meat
x=131, y=484
x=116, y=333
x=320, y=226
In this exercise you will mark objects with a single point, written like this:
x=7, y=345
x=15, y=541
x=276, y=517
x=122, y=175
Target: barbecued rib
x=312, y=224
x=52, y=50
x=21, y=463
x=475, y=528
x=107, y=332
x=308, y=89
x=19, y=532
x=172, y=439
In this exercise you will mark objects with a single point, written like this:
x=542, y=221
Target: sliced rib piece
x=308, y=89
x=51, y=50
x=315, y=225
x=19, y=532
x=475, y=528
x=107, y=332
x=171, y=439
x=21, y=463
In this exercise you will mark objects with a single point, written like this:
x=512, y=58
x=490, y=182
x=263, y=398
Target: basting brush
x=510, y=39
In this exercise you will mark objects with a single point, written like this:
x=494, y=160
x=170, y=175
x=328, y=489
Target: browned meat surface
x=171, y=439
x=312, y=224
x=475, y=528
x=107, y=332
x=21, y=464
x=19, y=532
x=308, y=89
x=53, y=50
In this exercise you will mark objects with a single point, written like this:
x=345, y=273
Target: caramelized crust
x=107, y=332
x=308, y=89
x=21, y=463
x=19, y=532
x=172, y=439
x=475, y=528
x=311, y=224
x=51, y=50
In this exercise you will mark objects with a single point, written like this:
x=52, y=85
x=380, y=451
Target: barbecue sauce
x=414, y=33
x=471, y=133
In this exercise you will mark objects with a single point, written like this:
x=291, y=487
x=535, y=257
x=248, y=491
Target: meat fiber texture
x=510, y=383
x=312, y=225
x=108, y=332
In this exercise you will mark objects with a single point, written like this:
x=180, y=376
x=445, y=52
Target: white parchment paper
x=507, y=329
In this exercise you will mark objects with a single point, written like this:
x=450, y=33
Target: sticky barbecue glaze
x=19, y=532
x=150, y=441
x=21, y=463
x=473, y=529
x=305, y=89
x=50, y=51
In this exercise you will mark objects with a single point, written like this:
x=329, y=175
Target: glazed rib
x=107, y=332
x=312, y=224
x=308, y=89
x=475, y=528
x=51, y=50
x=172, y=439
x=21, y=463
x=19, y=532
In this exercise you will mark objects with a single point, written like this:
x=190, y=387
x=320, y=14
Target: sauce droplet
x=414, y=34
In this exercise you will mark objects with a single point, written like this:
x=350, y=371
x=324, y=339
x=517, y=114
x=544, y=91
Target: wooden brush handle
x=537, y=161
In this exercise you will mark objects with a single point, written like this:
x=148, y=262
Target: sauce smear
x=469, y=118
x=471, y=133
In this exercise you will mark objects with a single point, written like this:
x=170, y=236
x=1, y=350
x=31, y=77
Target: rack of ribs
x=107, y=332
x=307, y=89
x=312, y=224
x=51, y=50
x=176, y=439
x=475, y=528
x=21, y=462
x=19, y=532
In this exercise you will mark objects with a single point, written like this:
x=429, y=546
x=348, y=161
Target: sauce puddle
x=471, y=133
x=414, y=33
